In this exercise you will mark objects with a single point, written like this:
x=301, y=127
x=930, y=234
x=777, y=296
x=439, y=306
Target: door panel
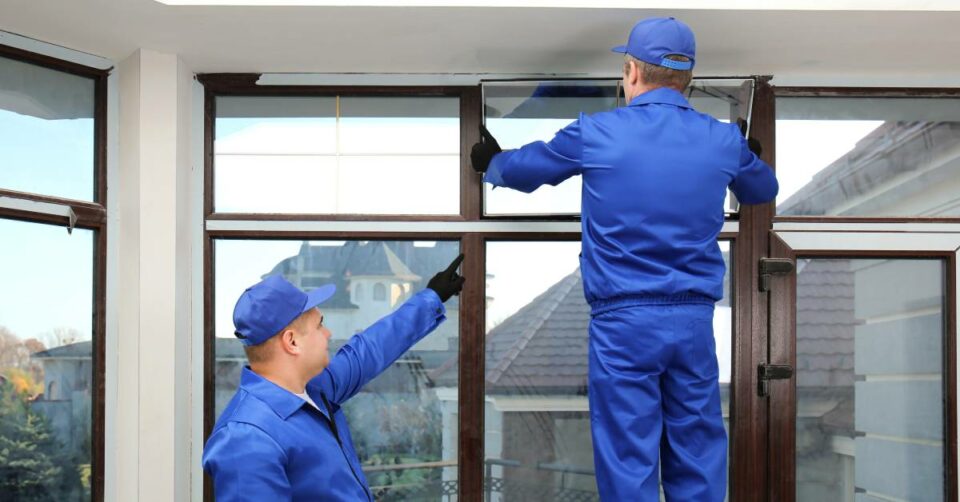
x=863, y=418
x=781, y=399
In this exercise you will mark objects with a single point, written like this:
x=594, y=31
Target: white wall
x=153, y=418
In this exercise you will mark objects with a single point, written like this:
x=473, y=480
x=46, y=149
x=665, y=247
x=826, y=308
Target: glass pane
x=46, y=131
x=330, y=155
x=46, y=368
x=870, y=380
x=868, y=157
x=403, y=423
x=537, y=427
x=517, y=113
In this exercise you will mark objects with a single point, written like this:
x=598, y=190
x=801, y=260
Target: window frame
x=849, y=234
x=862, y=92
x=45, y=209
x=473, y=230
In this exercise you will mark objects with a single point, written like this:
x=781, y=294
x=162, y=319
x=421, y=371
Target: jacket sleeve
x=755, y=182
x=246, y=464
x=372, y=351
x=539, y=163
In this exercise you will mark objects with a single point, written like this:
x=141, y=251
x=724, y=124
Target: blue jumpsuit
x=270, y=445
x=655, y=175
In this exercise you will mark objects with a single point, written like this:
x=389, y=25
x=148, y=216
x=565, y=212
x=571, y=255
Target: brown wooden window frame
x=861, y=92
x=473, y=243
x=89, y=216
x=749, y=242
x=778, y=436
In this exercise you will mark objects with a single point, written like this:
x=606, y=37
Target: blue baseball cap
x=270, y=305
x=655, y=38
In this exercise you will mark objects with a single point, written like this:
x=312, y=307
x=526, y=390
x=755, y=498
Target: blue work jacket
x=655, y=175
x=271, y=445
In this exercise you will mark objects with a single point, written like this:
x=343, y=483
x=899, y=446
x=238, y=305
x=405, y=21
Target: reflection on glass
x=337, y=155
x=869, y=380
x=517, y=113
x=46, y=368
x=403, y=423
x=46, y=131
x=537, y=427
x=868, y=157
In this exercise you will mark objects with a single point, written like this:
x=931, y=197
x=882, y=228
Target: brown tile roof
x=825, y=323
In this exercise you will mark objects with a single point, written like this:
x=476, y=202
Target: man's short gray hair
x=661, y=76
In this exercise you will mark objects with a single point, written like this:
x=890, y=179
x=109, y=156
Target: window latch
x=767, y=372
x=770, y=267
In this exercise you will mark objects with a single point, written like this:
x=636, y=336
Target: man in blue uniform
x=283, y=436
x=655, y=174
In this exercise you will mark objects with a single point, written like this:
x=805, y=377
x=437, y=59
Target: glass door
x=861, y=366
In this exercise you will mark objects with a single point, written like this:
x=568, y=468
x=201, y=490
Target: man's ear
x=634, y=72
x=288, y=342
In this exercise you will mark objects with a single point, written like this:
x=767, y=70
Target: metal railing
x=496, y=488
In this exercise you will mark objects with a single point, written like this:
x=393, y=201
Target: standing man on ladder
x=655, y=175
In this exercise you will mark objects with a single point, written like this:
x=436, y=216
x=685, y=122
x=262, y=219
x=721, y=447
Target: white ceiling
x=797, y=47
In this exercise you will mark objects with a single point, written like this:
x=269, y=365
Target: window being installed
x=518, y=112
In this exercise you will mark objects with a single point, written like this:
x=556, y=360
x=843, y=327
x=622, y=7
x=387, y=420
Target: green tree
x=33, y=464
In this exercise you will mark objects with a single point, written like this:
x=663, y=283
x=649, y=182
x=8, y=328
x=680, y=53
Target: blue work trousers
x=655, y=397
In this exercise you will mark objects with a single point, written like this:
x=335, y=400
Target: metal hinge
x=773, y=266
x=767, y=372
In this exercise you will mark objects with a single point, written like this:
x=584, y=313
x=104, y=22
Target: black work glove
x=752, y=142
x=447, y=282
x=482, y=153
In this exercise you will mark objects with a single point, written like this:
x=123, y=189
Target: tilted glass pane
x=337, y=155
x=46, y=366
x=520, y=112
x=868, y=157
x=46, y=131
x=517, y=113
x=537, y=427
x=404, y=422
x=869, y=380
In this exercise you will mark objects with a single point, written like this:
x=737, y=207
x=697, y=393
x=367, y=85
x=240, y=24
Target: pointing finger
x=485, y=134
x=454, y=264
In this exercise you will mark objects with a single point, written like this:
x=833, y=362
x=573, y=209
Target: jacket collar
x=661, y=95
x=283, y=402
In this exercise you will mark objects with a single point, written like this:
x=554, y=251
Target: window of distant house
x=358, y=292
x=379, y=292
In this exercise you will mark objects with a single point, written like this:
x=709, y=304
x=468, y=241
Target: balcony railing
x=496, y=488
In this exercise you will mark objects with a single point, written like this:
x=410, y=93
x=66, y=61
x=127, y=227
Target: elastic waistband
x=600, y=306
